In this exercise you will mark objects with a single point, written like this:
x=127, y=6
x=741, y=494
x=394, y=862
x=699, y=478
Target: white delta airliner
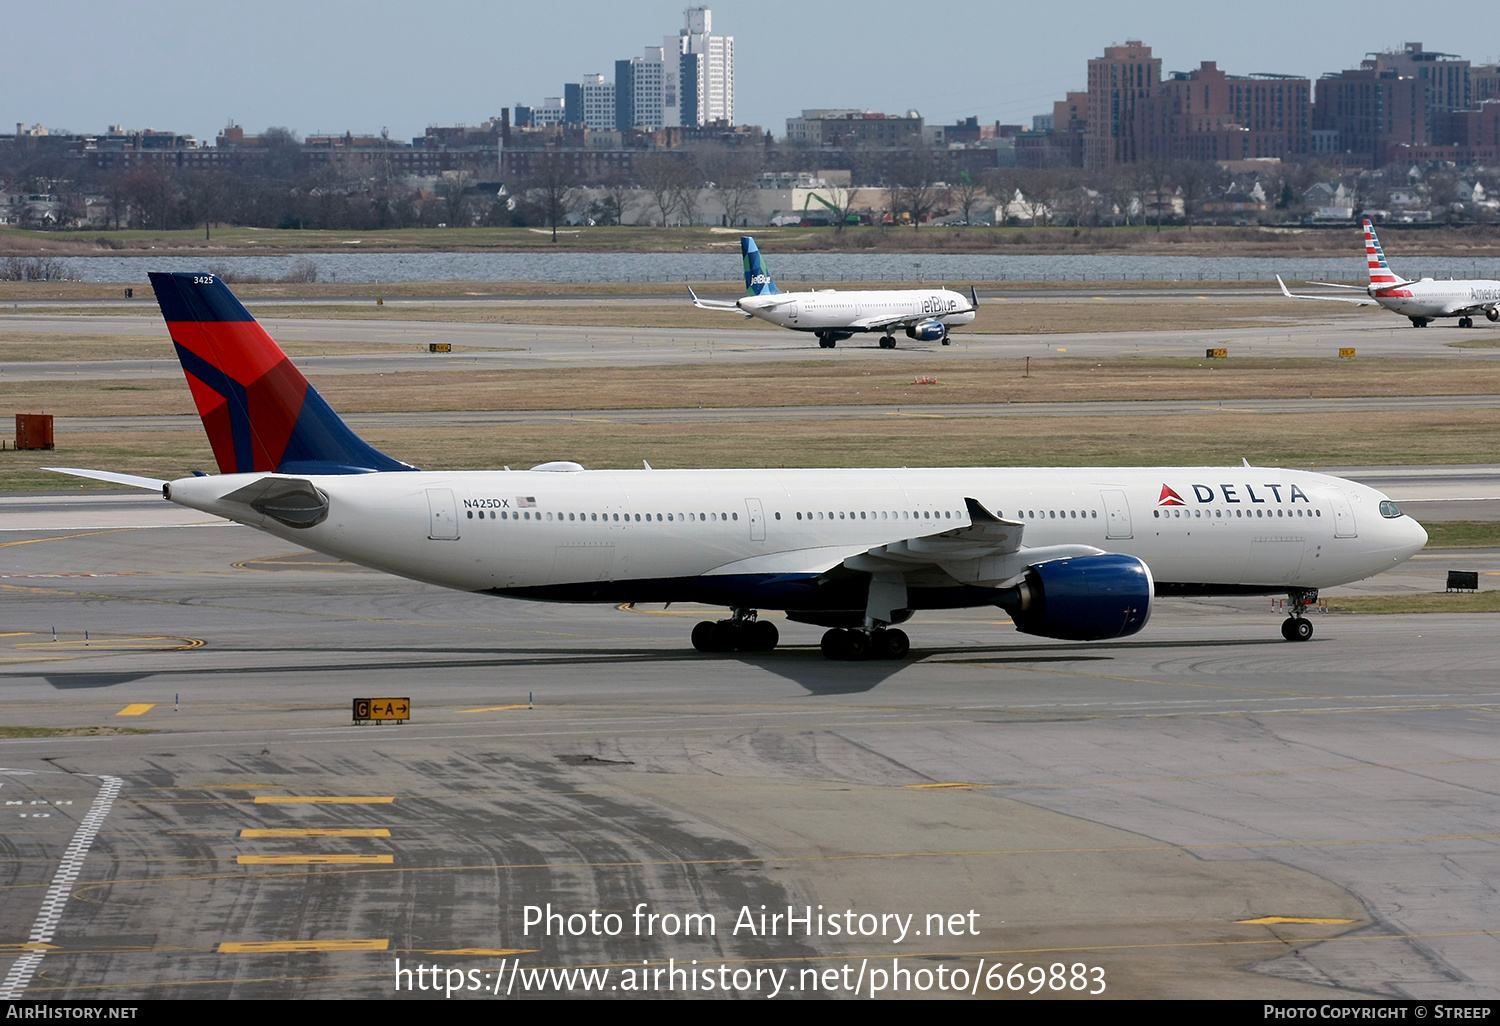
x=1078, y=554
x=1422, y=301
x=924, y=314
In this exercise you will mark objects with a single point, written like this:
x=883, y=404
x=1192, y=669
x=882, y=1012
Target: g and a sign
x=382, y=709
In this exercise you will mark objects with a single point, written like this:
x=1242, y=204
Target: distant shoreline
x=1478, y=241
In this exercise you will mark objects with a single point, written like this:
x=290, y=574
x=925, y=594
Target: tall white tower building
x=705, y=86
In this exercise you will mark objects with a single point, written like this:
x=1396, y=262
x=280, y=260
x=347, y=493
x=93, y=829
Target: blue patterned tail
x=757, y=280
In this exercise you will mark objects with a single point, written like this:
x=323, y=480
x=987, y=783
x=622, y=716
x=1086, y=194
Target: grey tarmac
x=1126, y=805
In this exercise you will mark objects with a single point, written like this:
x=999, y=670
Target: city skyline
x=335, y=67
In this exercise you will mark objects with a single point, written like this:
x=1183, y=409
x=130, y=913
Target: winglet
x=149, y=483
x=1284, y=290
x=973, y=297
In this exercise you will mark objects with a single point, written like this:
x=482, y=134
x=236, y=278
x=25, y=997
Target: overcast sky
x=334, y=65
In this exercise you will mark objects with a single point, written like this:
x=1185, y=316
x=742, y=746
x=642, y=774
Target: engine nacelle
x=1493, y=313
x=928, y=331
x=1085, y=598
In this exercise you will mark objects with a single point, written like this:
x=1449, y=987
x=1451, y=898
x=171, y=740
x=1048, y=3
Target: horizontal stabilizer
x=148, y=483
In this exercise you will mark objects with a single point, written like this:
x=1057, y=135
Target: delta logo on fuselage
x=1230, y=494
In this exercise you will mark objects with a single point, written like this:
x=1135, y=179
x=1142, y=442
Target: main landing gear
x=1298, y=627
x=1466, y=322
x=1420, y=322
x=886, y=342
x=854, y=644
x=742, y=633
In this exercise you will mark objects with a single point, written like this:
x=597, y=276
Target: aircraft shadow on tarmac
x=803, y=665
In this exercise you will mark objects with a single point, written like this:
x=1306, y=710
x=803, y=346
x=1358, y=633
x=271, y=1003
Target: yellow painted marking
x=317, y=832
x=316, y=860
x=276, y=947
x=924, y=787
x=1062, y=349
x=497, y=708
x=136, y=709
x=291, y=799
x=29, y=947
x=15, y=634
x=484, y=951
x=915, y=416
x=1274, y=920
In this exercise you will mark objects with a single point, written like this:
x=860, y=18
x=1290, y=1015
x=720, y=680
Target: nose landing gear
x=1298, y=627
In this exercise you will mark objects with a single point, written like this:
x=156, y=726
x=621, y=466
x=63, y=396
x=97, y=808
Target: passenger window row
x=1220, y=514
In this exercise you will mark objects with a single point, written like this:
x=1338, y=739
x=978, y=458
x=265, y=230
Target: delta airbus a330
x=1422, y=301
x=1077, y=554
x=832, y=315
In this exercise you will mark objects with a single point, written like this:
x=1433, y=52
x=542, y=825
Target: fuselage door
x=1117, y=509
x=757, y=515
x=1343, y=515
x=791, y=312
x=443, y=525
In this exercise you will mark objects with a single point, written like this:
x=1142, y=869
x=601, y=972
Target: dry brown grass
x=1457, y=436
x=856, y=382
x=22, y=347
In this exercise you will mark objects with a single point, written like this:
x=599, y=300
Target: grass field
x=448, y=383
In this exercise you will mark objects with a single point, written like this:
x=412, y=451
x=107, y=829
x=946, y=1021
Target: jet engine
x=928, y=331
x=1493, y=313
x=1085, y=598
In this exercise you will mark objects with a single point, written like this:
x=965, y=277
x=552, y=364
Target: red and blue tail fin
x=260, y=413
x=1380, y=272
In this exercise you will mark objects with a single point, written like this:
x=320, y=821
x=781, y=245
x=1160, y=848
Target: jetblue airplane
x=1422, y=301
x=924, y=314
x=1077, y=554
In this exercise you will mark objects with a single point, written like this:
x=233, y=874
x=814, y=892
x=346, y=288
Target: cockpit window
x=1389, y=509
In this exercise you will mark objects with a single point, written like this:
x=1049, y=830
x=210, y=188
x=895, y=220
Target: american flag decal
x=526, y=502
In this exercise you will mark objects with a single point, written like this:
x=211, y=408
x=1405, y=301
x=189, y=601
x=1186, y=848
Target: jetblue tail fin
x=260, y=413
x=1381, y=274
x=757, y=281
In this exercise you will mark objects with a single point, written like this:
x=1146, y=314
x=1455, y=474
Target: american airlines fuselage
x=770, y=538
x=1430, y=299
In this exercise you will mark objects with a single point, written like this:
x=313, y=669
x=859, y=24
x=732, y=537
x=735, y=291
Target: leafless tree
x=552, y=188
x=658, y=175
x=966, y=192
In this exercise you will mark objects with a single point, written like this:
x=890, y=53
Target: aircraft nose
x=1414, y=535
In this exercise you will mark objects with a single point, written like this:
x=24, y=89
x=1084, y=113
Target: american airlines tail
x=260, y=413
x=757, y=280
x=1381, y=275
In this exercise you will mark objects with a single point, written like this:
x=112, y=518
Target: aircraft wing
x=901, y=320
x=1288, y=293
x=712, y=304
x=986, y=552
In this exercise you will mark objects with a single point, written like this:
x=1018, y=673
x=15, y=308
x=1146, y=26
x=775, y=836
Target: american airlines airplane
x=1078, y=554
x=1422, y=301
x=924, y=314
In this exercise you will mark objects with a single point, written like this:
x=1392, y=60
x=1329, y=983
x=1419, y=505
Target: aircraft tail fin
x=1381, y=275
x=260, y=413
x=758, y=281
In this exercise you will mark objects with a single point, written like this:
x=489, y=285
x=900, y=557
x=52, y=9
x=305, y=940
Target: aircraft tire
x=726, y=636
x=892, y=644
x=887, y=343
x=947, y=341
x=1302, y=629
x=1287, y=626
x=856, y=645
x=760, y=636
x=703, y=633
x=833, y=644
